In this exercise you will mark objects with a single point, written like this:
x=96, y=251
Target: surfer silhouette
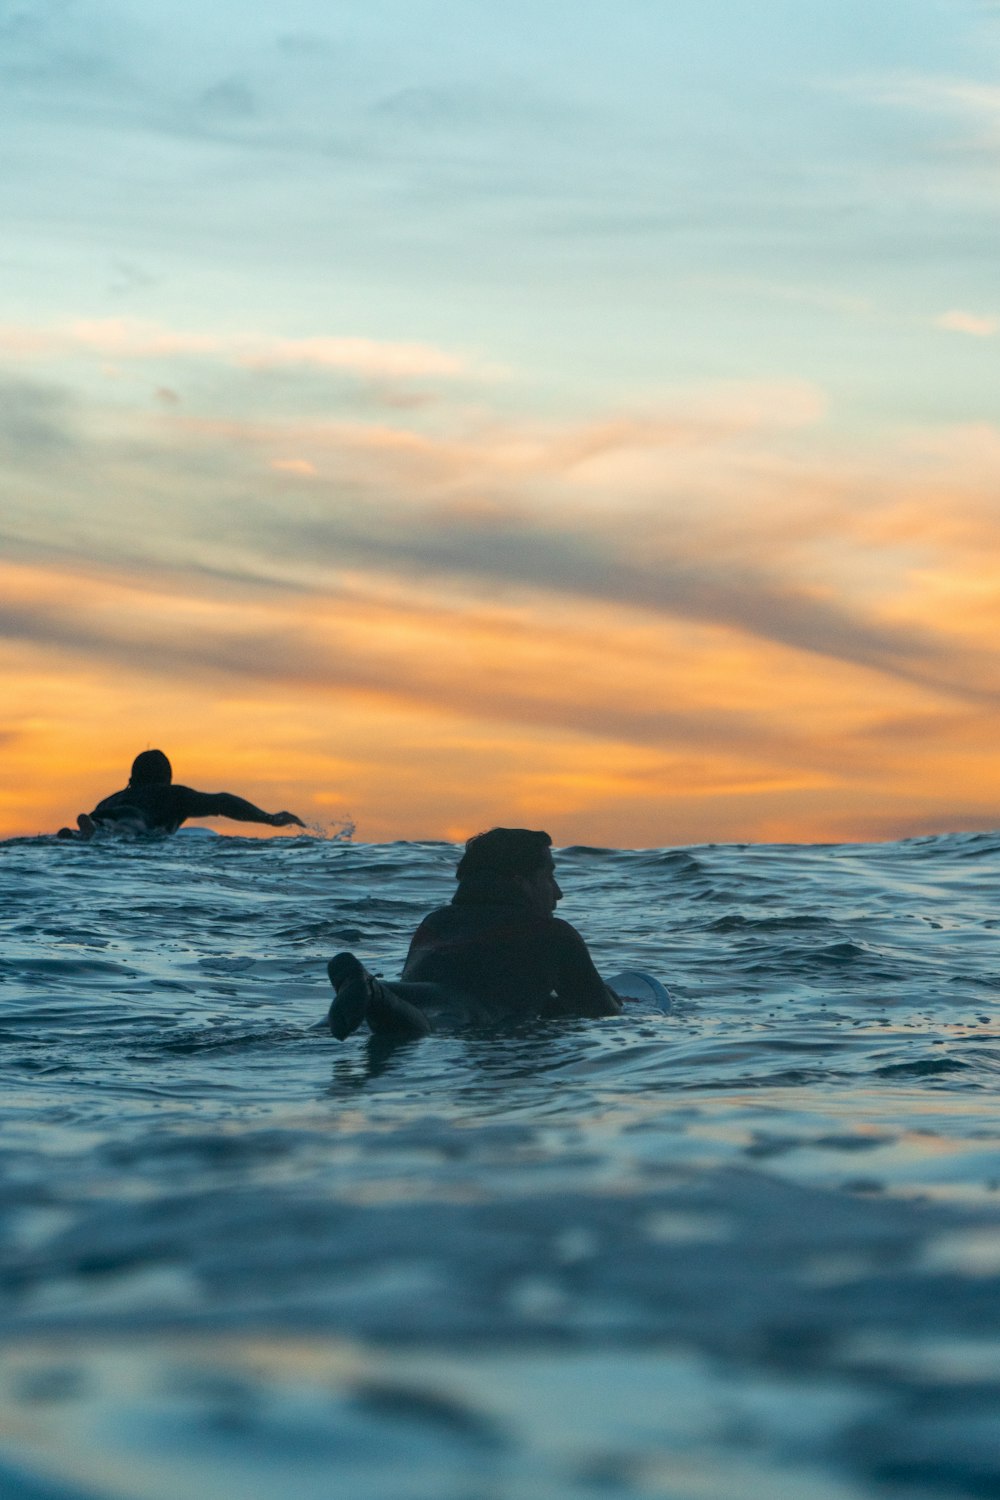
x=151, y=803
x=496, y=953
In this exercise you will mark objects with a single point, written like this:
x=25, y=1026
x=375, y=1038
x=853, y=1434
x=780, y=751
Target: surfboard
x=636, y=984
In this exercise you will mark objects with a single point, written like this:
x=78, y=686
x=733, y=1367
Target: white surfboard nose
x=636, y=984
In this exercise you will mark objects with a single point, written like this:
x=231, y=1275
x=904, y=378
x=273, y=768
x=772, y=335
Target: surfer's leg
x=396, y=1009
x=360, y=996
x=389, y=1013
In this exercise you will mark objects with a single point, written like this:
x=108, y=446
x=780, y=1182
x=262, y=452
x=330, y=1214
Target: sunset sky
x=577, y=413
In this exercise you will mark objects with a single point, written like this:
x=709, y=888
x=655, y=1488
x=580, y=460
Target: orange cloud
x=702, y=619
x=415, y=716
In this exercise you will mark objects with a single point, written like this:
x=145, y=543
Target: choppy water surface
x=750, y=1249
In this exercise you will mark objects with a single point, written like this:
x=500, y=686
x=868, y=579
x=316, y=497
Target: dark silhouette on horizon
x=496, y=953
x=151, y=803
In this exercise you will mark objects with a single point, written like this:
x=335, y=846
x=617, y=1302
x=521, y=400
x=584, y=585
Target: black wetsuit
x=161, y=807
x=493, y=955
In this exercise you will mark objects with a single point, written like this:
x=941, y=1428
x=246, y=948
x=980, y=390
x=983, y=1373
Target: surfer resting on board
x=496, y=953
x=151, y=803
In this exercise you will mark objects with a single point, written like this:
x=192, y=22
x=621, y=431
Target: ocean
x=747, y=1250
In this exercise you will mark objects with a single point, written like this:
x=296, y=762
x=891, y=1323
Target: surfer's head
x=523, y=855
x=151, y=768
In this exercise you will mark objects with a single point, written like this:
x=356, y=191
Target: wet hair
x=150, y=768
x=505, y=851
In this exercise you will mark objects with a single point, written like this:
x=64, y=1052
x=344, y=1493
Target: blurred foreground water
x=749, y=1249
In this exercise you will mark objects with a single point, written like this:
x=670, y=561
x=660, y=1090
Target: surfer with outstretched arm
x=496, y=953
x=151, y=803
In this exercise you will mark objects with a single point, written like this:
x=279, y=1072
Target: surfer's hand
x=282, y=819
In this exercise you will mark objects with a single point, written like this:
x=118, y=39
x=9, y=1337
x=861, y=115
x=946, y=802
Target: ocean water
x=748, y=1249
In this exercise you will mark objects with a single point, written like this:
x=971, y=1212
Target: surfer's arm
x=579, y=988
x=424, y=944
x=225, y=805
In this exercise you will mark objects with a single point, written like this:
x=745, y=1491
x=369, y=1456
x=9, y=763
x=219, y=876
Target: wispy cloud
x=967, y=115
x=294, y=466
x=499, y=683
x=978, y=325
x=125, y=339
x=360, y=356
x=37, y=422
x=594, y=563
x=364, y=647
x=965, y=97
x=645, y=513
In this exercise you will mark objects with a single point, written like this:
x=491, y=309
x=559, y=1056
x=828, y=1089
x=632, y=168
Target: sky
x=579, y=414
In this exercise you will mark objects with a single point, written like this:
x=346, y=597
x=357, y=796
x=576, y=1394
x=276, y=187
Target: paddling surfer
x=151, y=803
x=497, y=952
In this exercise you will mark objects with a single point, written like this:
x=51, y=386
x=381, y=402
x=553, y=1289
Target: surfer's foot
x=350, y=979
